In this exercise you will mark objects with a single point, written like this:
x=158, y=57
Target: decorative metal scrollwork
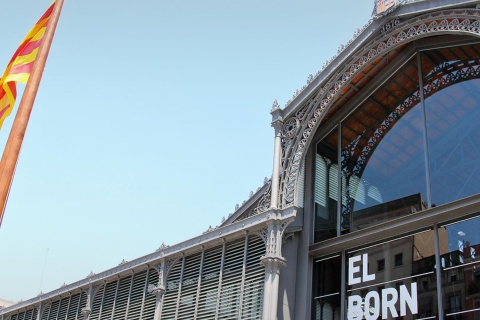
x=290, y=128
x=465, y=21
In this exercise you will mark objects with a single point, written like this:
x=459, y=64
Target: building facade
x=373, y=208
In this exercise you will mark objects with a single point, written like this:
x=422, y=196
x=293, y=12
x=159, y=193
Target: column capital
x=86, y=311
x=273, y=264
x=157, y=291
x=277, y=115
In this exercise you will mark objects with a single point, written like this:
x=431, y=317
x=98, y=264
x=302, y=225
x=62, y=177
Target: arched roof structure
x=366, y=56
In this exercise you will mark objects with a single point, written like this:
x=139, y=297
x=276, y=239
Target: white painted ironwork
x=460, y=21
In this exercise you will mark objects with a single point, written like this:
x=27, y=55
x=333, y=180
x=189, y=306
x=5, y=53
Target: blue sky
x=152, y=121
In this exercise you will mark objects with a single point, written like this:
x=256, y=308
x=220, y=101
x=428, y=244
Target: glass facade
x=383, y=158
x=398, y=278
x=327, y=297
x=390, y=280
x=461, y=270
x=408, y=146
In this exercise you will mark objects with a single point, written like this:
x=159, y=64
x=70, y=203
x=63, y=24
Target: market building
x=373, y=207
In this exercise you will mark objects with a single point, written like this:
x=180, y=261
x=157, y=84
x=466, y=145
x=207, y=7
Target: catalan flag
x=20, y=66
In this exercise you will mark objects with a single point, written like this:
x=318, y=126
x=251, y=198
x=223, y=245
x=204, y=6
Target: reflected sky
x=462, y=232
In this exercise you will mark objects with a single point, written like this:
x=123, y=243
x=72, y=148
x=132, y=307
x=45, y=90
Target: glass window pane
x=393, y=279
x=326, y=187
x=326, y=289
x=383, y=158
x=452, y=106
x=460, y=258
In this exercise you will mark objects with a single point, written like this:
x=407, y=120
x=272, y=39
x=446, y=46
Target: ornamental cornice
x=300, y=126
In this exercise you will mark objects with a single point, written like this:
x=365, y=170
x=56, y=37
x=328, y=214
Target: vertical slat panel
x=28, y=314
x=82, y=304
x=150, y=299
x=231, y=280
x=54, y=310
x=35, y=314
x=254, y=280
x=127, y=308
x=62, y=309
x=188, y=294
x=219, y=288
x=208, y=292
x=136, y=297
x=108, y=300
x=171, y=292
x=199, y=284
x=114, y=307
x=244, y=269
x=122, y=298
x=97, y=304
x=73, y=307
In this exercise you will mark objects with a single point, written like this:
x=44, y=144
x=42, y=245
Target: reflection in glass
x=383, y=167
x=452, y=106
x=379, y=287
x=461, y=270
x=326, y=187
x=326, y=289
x=383, y=158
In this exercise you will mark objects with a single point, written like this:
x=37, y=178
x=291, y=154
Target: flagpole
x=19, y=127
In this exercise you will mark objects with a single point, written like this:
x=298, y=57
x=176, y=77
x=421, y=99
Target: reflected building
x=372, y=210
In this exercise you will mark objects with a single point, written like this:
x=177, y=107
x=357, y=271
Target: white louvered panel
x=14, y=317
x=20, y=316
x=244, y=267
x=207, y=303
x=188, y=294
x=136, y=297
x=45, y=313
x=34, y=314
x=122, y=298
x=29, y=314
x=97, y=304
x=254, y=280
x=169, y=304
x=73, y=307
x=108, y=300
x=199, y=283
x=114, y=307
x=219, y=287
x=179, y=289
x=54, y=310
x=130, y=287
x=82, y=304
x=63, y=308
x=150, y=299
x=231, y=280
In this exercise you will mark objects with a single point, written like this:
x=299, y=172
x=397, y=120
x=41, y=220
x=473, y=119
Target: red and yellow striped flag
x=21, y=65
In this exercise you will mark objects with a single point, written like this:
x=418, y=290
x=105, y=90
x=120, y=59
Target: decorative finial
x=163, y=246
x=275, y=105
